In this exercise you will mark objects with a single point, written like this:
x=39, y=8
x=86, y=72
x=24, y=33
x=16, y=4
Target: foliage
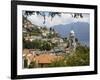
x=77, y=15
x=57, y=63
x=25, y=63
x=79, y=58
x=50, y=35
x=33, y=31
x=44, y=28
x=41, y=13
x=50, y=14
x=37, y=44
x=45, y=46
x=32, y=64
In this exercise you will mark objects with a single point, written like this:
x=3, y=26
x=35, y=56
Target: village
x=42, y=46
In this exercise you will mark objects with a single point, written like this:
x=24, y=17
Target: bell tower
x=72, y=42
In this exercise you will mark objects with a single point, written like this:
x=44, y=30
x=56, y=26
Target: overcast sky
x=64, y=19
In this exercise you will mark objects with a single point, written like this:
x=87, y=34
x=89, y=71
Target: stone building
x=72, y=42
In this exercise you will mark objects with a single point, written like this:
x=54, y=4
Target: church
x=71, y=41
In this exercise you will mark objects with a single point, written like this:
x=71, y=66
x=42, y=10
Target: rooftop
x=46, y=58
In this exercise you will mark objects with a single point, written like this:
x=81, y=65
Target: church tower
x=72, y=42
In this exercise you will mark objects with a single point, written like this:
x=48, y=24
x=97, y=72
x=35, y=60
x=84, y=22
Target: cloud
x=86, y=18
x=63, y=19
x=36, y=19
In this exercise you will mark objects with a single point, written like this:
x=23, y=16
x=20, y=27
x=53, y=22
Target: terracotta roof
x=46, y=58
x=42, y=58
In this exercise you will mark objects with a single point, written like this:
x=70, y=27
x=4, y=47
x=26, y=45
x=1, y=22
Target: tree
x=58, y=63
x=79, y=58
x=77, y=15
x=45, y=46
x=25, y=63
x=42, y=13
x=32, y=64
x=76, y=39
x=50, y=14
x=53, y=14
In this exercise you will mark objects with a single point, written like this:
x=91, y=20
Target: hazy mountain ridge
x=81, y=30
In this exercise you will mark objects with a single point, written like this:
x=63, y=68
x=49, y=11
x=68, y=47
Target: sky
x=64, y=19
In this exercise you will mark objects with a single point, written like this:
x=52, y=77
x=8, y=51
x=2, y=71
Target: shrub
x=79, y=58
x=25, y=63
x=32, y=64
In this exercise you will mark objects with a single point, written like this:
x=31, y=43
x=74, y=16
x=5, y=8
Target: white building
x=31, y=38
x=72, y=42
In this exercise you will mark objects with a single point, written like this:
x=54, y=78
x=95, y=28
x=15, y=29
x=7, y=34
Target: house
x=27, y=38
x=55, y=40
x=35, y=38
x=45, y=33
x=61, y=40
x=41, y=60
x=31, y=38
x=44, y=60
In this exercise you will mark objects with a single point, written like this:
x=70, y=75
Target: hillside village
x=42, y=46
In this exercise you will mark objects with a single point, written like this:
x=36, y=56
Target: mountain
x=81, y=30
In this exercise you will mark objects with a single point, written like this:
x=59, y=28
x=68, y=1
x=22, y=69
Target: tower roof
x=72, y=32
